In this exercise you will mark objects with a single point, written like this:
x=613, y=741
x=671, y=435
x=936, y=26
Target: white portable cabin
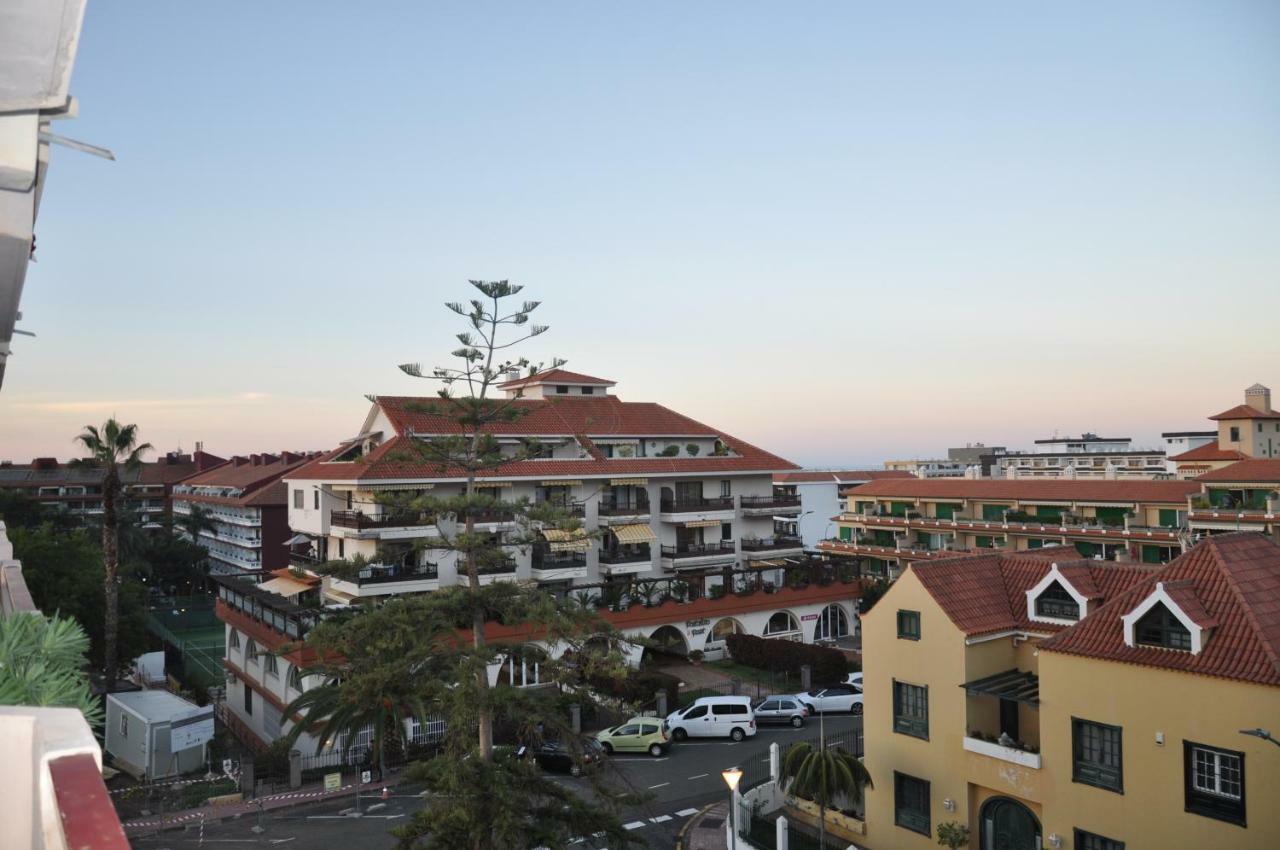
x=155, y=734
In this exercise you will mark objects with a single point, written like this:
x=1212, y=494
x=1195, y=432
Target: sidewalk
x=705, y=830
x=212, y=814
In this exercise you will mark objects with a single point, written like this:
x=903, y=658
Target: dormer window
x=1055, y=601
x=1159, y=627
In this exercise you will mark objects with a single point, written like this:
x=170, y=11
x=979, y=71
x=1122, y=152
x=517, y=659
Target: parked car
x=781, y=709
x=569, y=757
x=714, y=717
x=854, y=679
x=840, y=697
x=637, y=735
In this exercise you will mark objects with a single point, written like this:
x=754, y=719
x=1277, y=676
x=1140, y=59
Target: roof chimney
x=1258, y=397
x=239, y=460
x=45, y=463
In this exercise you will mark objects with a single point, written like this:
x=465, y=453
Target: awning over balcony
x=493, y=484
x=703, y=523
x=561, y=483
x=285, y=586
x=625, y=482
x=567, y=541
x=637, y=533
x=1016, y=685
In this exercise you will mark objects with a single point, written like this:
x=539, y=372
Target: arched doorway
x=782, y=625
x=832, y=624
x=666, y=642
x=1008, y=825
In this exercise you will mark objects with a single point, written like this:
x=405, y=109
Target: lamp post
x=1260, y=733
x=732, y=776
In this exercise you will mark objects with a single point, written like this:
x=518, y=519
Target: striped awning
x=635, y=533
x=284, y=586
x=373, y=485
x=625, y=482
x=493, y=483
x=703, y=523
x=567, y=541
x=561, y=483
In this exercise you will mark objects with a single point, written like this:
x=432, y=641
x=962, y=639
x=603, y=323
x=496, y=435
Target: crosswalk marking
x=684, y=813
x=661, y=819
x=635, y=824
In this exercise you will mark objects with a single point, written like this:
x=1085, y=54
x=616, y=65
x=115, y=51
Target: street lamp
x=732, y=776
x=1260, y=733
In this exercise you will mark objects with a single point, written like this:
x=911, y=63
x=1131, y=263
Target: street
x=680, y=783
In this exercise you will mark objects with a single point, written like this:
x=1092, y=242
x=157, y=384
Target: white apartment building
x=816, y=499
x=929, y=468
x=1086, y=456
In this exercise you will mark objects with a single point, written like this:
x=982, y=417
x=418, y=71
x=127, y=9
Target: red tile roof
x=844, y=476
x=568, y=417
x=1210, y=451
x=1054, y=490
x=1253, y=470
x=261, y=484
x=1235, y=580
x=987, y=593
x=556, y=376
x=1244, y=411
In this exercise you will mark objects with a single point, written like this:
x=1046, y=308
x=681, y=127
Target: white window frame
x=1216, y=778
x=1053, y=575
x=1161, y=597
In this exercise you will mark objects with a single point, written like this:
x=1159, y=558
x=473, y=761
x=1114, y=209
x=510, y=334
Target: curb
x=690, y=822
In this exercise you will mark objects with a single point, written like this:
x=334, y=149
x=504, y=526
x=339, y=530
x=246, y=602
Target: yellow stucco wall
x=1146, y=701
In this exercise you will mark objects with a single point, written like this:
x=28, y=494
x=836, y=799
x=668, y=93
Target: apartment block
x=807, y=499
x=889, y=524
x=1086, y=456
x=1046, y=700
x=1249, y=430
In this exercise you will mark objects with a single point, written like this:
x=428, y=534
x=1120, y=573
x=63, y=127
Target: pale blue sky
x=839, y=230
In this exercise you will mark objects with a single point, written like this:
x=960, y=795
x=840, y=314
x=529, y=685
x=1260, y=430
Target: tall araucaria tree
x=113, y=449
x=435, y=654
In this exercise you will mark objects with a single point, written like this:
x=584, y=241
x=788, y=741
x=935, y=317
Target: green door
x=1169, y=518
x=1086, y=550
x=984, y=542
x=1009, y=825
x=1112, y=516
x=994, y=512
x=1154, y=555
x=900, y=508
x=946, y=510
x=1035, y=543
x=1050, y=512
x=846, y=533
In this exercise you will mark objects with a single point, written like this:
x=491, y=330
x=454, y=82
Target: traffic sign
x=332, y=781
x=366, y=777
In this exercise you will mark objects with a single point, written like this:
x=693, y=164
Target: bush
x=669, y=451
x=828, y=665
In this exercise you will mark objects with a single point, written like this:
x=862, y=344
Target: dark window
x=588, y=390
x=1159, y=627
x=911, y=803
x=1090, y=841
x=316, y=500
x=769, y=705
x=248, y=698
x=728, y=709
x=633, y=729
x=1096, y=753
x=341, y=548
x=297, y=499
x=1054, y=601
x=726, y=531
x=1214, y=782
x=561, y=389
x=911, y=710
x=648, y=729
x=726, y=489
x=909, y=625
x=695, y=713
x=350, y=498
x=1235, y=434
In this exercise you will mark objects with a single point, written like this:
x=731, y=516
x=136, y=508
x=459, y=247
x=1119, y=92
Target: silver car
x=781, y=709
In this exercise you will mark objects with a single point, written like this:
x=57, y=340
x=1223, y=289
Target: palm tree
x=824, y=775
x=113, y=448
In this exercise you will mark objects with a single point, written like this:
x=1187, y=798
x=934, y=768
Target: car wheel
x=608, y=748
x=797, y=721
x=737, y=734
x=857, y=708
x=679, y=734
x=575, y=770
x=810, y=708
x=655, y=750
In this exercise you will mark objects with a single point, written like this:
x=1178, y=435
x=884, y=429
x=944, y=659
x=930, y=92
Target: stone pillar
x=295, y=769
x=780, y=835
x=660, y=696
x=806, y=677
x=246, y=776
x=575, y=718
x=775, y=762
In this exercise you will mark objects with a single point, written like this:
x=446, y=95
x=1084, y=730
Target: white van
x=714, y=717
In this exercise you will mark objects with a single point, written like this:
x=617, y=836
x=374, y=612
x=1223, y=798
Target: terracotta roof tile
x=1210, y=451
x=1058, y=490
x=555, y=376
x=1184, y=594
x=1244, y=411
x=1259, y=470
x=1234, y=579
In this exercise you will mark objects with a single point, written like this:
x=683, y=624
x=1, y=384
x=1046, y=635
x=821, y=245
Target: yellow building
x=1249, y=430
x=1046, y=700
x=889, y=524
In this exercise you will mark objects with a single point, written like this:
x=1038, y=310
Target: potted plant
x=692, y=449
x=953, y=835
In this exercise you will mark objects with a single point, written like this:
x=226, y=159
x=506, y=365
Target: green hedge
x=828, y=665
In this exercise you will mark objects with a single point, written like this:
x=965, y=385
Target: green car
x=637, y=735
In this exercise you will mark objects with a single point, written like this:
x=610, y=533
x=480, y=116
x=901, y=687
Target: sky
x=841, y=231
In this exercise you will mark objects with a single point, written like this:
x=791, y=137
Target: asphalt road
x=679, y=783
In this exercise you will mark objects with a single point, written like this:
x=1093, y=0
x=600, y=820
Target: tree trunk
x=110, y=585
x=485, y=724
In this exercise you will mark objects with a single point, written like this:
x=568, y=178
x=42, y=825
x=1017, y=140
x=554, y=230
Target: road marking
x=661, y=819
x=635, y=824
x=699, y=776
x=659, y=785
x=649, y=760
x=684, y=813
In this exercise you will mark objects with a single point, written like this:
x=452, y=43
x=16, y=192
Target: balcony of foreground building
x=54, y=797
x=698, y=555
x=636, y=558
x=1003, y=729
x=778, y=503
x=771, y=547
x=683, y=505
x=385, y=580
x=359, y=521
x=271, y=620
x=577, y=510
x=559, y=566
x=1085, y=528
x=631, y=510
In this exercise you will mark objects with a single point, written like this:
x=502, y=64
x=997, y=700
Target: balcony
x=999, y=751
x=696, y=504
x=1002, y=717
x=573, y=509
x=1081, y=527
x=561, y=567
x=623, y=507
x=777, y=503
x=494, y=514
x=772, y=544
x=304, y=560
x=384, y=573
x=360, y=521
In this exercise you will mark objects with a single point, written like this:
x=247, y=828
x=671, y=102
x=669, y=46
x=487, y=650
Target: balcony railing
x=304, y=559
x=573, y=509
x=698, y=550
x=687, y=504
x=623, y=557
x=497, y=513
x=766, y=544
x=1061, y=525
x=384, y=573
x=503, y=567
x=777, y=500
x=567, y=561
x=362, y=521
x=623, y=507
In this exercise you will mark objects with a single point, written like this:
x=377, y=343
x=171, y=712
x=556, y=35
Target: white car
x=714, y=717
x=854, y=679
x=842, y=697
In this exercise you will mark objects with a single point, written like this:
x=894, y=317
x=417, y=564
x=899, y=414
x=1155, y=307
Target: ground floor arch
x=1007, y=824
x=832, y=623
